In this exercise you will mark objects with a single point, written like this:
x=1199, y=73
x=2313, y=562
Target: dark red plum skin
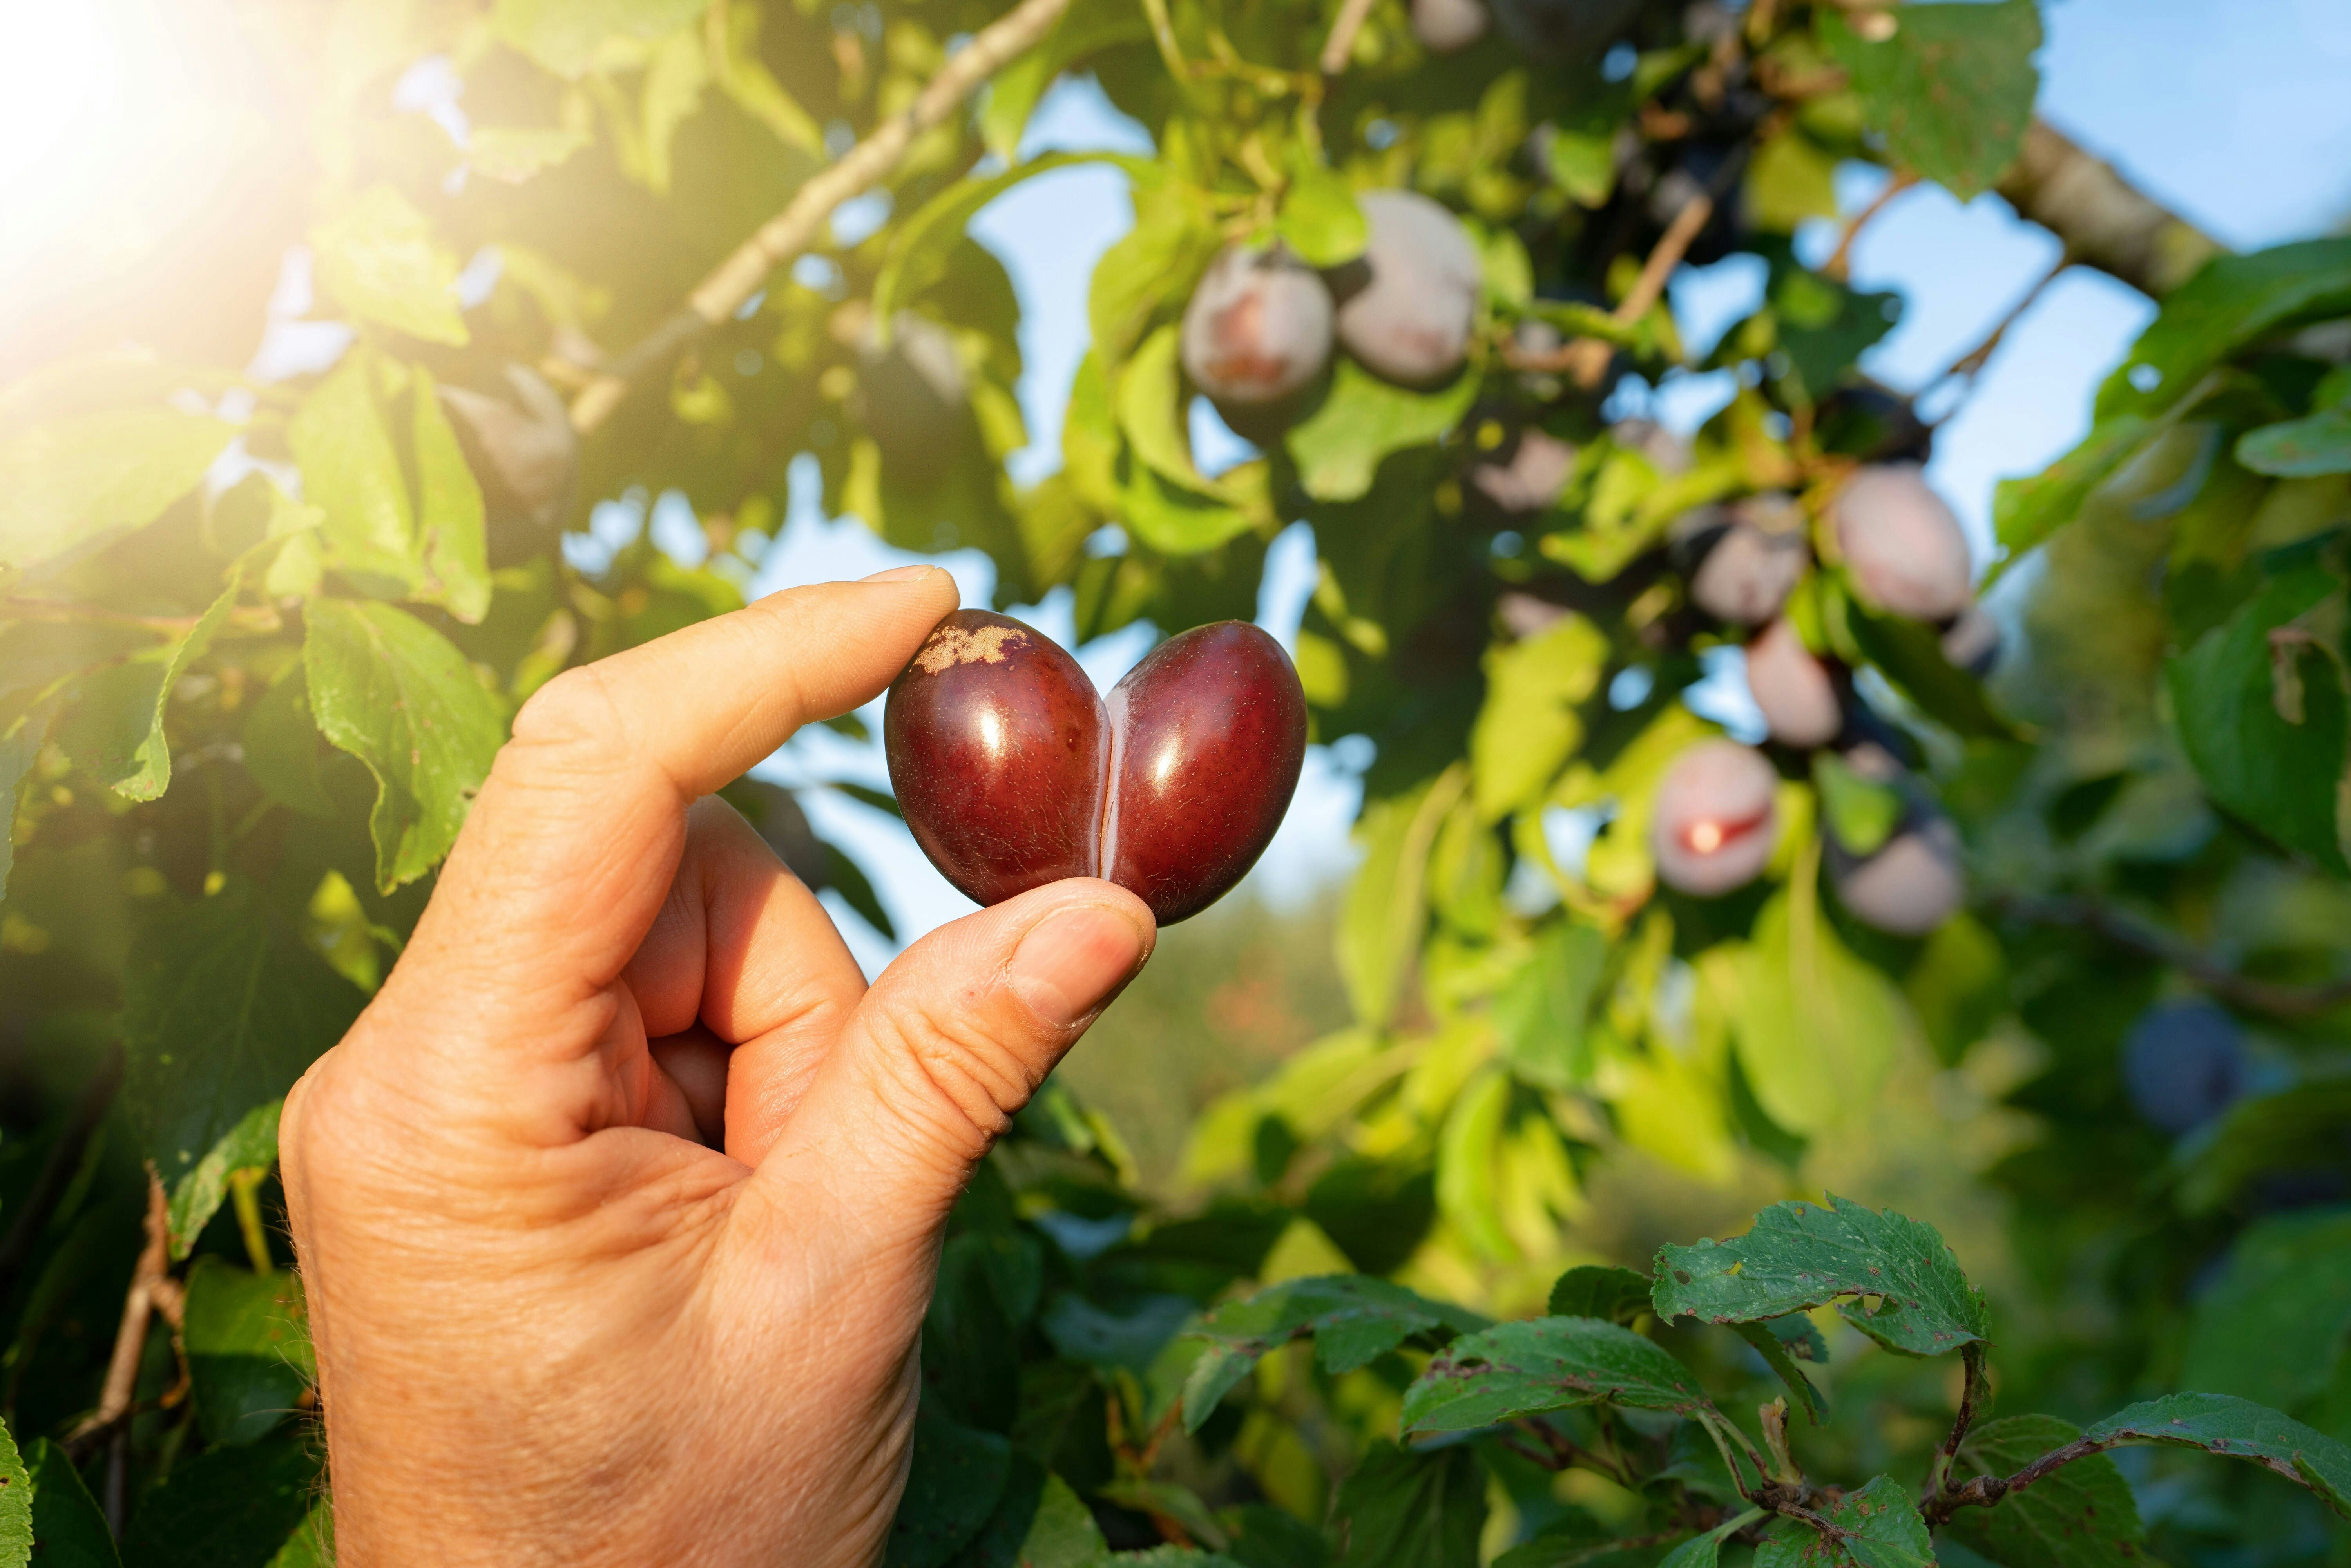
x=1209, y=732
x=997, y=744
x=999, y=750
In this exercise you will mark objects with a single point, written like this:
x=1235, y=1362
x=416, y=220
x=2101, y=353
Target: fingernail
x=899, y=573
x=1072, y=959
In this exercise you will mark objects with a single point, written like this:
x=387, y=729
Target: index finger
x=570, y=847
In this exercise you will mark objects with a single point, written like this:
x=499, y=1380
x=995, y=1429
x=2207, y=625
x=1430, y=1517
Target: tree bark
x=2103, y=220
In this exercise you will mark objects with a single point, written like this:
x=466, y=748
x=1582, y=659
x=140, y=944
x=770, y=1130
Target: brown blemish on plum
x=953, y=645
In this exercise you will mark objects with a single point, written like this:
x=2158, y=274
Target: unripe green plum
x=1715, y=819
x=1530, y=478
x=1446, y=26
x=1793, y=688
x=524, y=454
x=913, y=398
x=1552, y=31
x=1900, y=542
x=1911, y=885
x=1257, y=333
x=1415, y=290
x=1750, y=557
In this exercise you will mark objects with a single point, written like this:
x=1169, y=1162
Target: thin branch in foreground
x=150, y=1288
x=1971, y=363
x=2272, y=996
x=1985, y=1491
x=1587, y=358
x=785, y=235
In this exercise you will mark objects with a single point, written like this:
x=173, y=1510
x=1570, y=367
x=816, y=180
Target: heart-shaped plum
x=1012, y=772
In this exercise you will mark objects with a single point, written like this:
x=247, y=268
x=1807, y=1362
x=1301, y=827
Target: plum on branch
x=1409, y=301
x=1715, y=819
x=525, y=455
x=1257, y=332
x=1794, y=689
x=1901, y=544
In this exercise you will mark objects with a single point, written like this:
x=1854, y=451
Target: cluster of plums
x=1714, y=820
x=1259, y=330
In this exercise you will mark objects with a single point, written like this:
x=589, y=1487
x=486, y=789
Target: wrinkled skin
x=620, y=1206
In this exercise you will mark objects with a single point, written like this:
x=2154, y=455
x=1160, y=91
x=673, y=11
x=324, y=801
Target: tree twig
x=1339, y=47
x=56, y=1171
x=1587, y=358
x=1985, y=1491
x=1971, y=363
x=150, y=1289
x=2104, y=221
x=1567, y=1452
x=790, y=231
x=1840, y=261
x=2274, y=998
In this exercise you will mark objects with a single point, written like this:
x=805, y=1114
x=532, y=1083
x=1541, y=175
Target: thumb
x=944, y=1048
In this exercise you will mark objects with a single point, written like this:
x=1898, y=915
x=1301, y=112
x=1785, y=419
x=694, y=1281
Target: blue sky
x=2235, y=112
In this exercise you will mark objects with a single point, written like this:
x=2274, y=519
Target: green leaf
x=2240, y=1429
x=2281, y=775
x=1468, y=1143
x=394, y=692
x=2299, y=448
x=1705, y=1551
x=847, y=878
x=1087, y=27
x=2026, y=511
x=1353, y=1317
x=1530, y=725
x=1319, y=219
x=1824, y=327
x=248, y=1345
x=2273, y=1323
x=1547, y=1364
x=1882, y=1528
x=1775, y=1355
x=1597, y=1291
x=1338, y=447
x=350, y=472
x=1801, y=1255
x=1790, y=178
x=69, y=1530
x=1542, y=1013
x=1407, y=1509
x=1381, y=920
x=72, y=483
x=1174, y=236
x=227, y=1508
x=2080, y=1515
x=1862, y=812
x=115, y=732
x=377, y=258
x=449, y=510
x=564, y=36
x=1910, y=654
x=1038, y=1522
x=1950, y=88
x=224, y=1009
x=251, y=1144
x=743, y=74
x=281, y=747
x=1175, y=520
x=1149, y=397
x=312, y=1544
x=20, y=747
x=2232, y=302
x=957, y=1476
x=16, y=1504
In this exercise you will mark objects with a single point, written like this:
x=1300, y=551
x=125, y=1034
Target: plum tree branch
x=2272, y=996
x=783, y=236
x=1339, y=47
x=152, y=1290
x=2104, y=221
x=1984, y=1491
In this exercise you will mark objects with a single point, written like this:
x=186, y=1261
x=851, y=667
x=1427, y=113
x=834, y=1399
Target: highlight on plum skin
x=1715, y=819
x=1012, y=773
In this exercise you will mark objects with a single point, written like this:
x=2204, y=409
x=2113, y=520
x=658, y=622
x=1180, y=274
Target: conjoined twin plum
x=1013, y=772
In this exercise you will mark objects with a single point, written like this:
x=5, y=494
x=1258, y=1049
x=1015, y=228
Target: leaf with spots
x=1801, y=1255
x=1549, y=1364
x=1949, y=87
x=2240, y=1429
x=1877, y=1527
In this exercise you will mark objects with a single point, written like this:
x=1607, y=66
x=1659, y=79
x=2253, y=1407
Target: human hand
x=555, y=1325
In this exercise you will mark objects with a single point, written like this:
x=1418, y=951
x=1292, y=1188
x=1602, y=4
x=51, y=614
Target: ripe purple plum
x=1013, y=772
x=1257, y=332
x=1416, y=286
x=1531, y=478
x=1911, y=885
x=1901, y=543
x=1750, y=556
x=2183, y=1064
x=1445, y=26
x=524, y=454
x=1715, y=819
x=1793, y=688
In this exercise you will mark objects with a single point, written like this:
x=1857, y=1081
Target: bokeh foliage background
x=259, y=637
